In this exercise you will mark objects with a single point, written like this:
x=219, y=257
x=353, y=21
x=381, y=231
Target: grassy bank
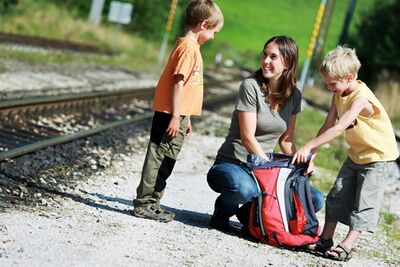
x=39, y=18
x=247, y=25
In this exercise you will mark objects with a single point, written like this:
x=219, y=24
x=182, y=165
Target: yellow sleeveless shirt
x=371, y=139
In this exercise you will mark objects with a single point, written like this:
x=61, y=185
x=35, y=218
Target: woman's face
x=272, y=63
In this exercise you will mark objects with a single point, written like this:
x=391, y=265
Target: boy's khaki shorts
x=356, y=196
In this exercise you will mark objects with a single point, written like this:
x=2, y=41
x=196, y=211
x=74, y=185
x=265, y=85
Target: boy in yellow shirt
x=179, y=94
x=358, y=190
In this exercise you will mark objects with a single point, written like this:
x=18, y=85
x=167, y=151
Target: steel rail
x=69, y=137
x=40, y=101
x=13, y=107
x=51, y=43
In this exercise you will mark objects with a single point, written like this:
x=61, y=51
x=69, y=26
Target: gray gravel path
x=71, y=206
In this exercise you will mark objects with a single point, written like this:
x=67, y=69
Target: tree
x=377, y=40
x=149, y=18
x=6, y=5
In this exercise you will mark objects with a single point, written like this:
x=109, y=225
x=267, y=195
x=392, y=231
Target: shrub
x=6, y=5
x=376, y=40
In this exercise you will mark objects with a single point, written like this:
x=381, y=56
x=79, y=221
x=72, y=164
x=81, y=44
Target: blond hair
x=200, y=10
x=339, y=63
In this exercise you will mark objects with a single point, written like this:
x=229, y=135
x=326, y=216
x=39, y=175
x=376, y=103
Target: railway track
x=10, y=38
x=32, y=124
x=28, y=125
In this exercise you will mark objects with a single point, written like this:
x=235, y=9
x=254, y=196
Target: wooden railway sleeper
x=22, y=134
x=21, y=129
x=13, y=139
x=44, y=130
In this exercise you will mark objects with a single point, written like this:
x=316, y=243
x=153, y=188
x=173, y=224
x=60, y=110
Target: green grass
x=38, y=18
x=390, y=226
x=248, y=24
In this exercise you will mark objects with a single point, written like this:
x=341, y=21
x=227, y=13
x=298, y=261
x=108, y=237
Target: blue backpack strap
x=259, y=206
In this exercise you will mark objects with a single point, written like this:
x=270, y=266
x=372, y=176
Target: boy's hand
x=173, y=127
x=302, y=155
x=310, y=169
x=189, y=129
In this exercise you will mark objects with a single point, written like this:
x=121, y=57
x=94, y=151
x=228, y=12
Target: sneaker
x=166, y=212
x=152, y=212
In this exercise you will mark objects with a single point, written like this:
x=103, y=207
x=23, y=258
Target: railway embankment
x=70, y=205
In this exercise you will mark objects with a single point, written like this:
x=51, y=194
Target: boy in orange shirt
x=179, y=94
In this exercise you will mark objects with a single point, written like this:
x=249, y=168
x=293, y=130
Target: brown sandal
x=339, y=253
x=321, y=246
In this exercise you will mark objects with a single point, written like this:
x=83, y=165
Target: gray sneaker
x=166, y=212
x=152, y=212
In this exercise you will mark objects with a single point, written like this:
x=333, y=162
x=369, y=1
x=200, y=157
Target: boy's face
x=337, y=86
x=207, y=33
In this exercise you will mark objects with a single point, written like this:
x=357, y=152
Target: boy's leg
x=328, y=230
x=338, y=205
x=153, y=159
x=144, y=204
x=171, y=150
x=341, y=198
x=351, y=238
x=160, y=160
x=152, y=162
x=371, y=180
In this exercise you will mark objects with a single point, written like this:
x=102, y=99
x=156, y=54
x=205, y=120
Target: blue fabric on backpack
x=276, y=160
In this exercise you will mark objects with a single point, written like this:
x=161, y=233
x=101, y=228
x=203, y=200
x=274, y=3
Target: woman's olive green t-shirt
x=270, y=124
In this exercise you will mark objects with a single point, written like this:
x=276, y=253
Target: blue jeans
x=237, y=186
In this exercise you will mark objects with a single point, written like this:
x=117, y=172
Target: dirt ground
x=46, y=220
x=92, y=225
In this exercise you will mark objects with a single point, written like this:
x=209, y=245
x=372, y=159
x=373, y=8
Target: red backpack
x=283, y=213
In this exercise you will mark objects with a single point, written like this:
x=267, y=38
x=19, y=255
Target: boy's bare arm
x=326, y=133
x=173, y=127
x=330, y=119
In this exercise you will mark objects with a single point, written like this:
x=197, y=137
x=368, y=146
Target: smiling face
x=337, y=86
x=272, y=63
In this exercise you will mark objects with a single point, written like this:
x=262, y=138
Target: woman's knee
x=222, y=175
x=232, y=181
x=214, y=179
x=248, y=190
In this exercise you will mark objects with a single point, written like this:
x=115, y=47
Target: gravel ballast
x=70, y=205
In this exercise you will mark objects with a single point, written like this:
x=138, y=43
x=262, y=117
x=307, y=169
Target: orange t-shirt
x=185, y=60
